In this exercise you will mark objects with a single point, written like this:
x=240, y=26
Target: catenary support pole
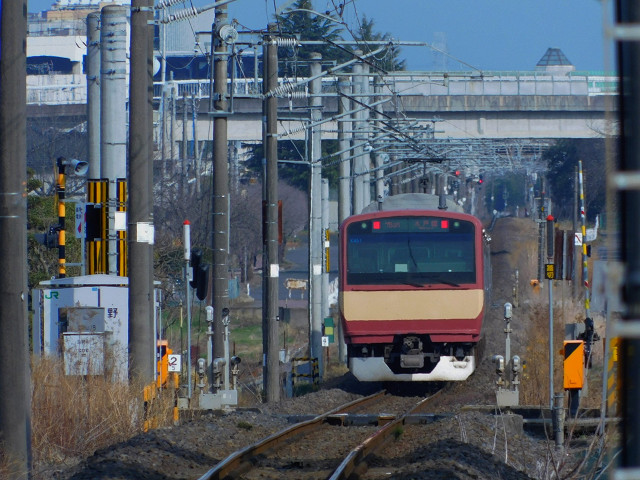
x=113, y=117
x=140, y=212
x=315, y=217
x=365, y=125
x=219, y=111
x=325, y=238
x=271, y=266
x=628, y=13
x=196, y=153
x=185, y=146
x=357, y=140
x=344, y=140
x=378, y=156
x=93, y=93
x=15, y=389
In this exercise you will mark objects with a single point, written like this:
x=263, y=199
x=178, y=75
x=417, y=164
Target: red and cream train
x=413, y=280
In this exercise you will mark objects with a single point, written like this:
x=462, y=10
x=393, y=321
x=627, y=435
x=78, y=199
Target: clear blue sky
x=486, y=34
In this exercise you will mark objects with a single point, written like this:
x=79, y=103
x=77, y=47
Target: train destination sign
x=414, y=225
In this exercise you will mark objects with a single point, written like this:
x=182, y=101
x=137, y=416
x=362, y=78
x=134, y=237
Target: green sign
x=328, y=330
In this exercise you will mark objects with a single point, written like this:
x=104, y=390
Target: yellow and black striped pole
x=613, y=377
x=60, y=197
x=97, y=226
x=122, y=234
x=583, y=218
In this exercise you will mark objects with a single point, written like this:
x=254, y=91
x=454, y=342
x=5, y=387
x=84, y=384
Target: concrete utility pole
x=196, y=154
x=185, y=145
x=315, y=217
x=15, y=374
x=93, y=93
x=218, y=108
x=113, y=107
x=344, y=140
x=325, y=248
x=173, y=88
x=270, y=265
x=379, y=157
x=358, y=138
x=140, y=211
x=628, y=13
x=344, y=187
x=366, y=155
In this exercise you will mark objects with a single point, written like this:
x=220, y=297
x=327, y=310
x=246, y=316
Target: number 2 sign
x=174, y=363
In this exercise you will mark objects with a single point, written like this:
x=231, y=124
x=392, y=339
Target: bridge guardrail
x=71, y=89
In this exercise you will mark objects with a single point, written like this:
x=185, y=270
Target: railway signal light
x=480, y=179
x=200, y=274
x=49, y=239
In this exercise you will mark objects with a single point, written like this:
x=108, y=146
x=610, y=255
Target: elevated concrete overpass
x=540, y=106
x=493, y=119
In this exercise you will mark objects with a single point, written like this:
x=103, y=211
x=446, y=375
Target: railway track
x=304, y=450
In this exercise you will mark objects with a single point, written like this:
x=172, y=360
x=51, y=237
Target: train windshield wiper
x=438, y=279
x=424, y=280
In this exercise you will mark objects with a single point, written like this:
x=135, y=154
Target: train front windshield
x=411, y=250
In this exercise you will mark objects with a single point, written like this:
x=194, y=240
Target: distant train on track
x=413, y=280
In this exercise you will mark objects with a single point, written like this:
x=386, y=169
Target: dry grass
x=73, y=416
x=9, y=467
x=535, y=385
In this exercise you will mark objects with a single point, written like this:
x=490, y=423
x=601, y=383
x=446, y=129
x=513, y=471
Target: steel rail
x=356, y=458
x=238, y=461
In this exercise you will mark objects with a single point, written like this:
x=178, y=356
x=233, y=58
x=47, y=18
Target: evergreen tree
x=300, y=21
x=562, y=160
x=387, y=61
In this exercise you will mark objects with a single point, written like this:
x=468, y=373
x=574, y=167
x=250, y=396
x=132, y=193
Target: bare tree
x=295, y=214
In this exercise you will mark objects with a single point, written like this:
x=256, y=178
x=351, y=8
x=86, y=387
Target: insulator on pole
x=181, y=15
x=167, y=3
x=287, y=42
x=293, y=95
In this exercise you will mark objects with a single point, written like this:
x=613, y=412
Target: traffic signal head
x=200, y=279
x=50, y=238
x=196, y=261
x=202, y=282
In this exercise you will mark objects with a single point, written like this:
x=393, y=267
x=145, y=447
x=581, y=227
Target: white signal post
x=186, y=228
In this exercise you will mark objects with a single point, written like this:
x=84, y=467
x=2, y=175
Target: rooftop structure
x=554, y=61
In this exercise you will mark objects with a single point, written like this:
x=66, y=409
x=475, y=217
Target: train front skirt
x=448, y=369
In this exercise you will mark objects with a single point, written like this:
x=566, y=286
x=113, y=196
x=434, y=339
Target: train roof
x=413, y=201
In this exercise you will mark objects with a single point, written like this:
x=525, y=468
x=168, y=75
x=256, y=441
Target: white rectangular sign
x=80, y=220
x=175, y=363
